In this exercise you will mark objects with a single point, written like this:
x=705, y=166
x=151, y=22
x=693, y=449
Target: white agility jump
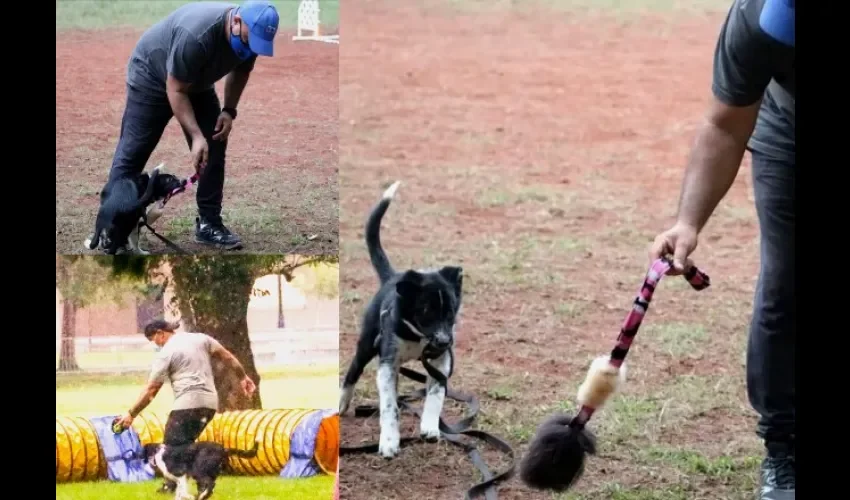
x=308, y=20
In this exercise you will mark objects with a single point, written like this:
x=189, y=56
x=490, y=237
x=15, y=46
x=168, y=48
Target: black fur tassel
x=556, y=454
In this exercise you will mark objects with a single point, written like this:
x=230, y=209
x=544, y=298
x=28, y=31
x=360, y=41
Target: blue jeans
x=144, y=121
x=771, y=355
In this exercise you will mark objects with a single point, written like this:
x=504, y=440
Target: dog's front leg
x=429, y=426
x=133, y=243
x=388, y=445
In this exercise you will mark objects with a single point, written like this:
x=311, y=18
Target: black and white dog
x=412, y=316
x=122, y=205
x=201, y=461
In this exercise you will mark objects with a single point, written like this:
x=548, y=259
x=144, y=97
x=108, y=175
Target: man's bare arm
x=145, y=398
x=234, y=84
x=715, y=160
x=181, y=106
x=230, y=360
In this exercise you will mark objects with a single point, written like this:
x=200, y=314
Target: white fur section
x=409, y=351
x=345, y=396
x=390, y=192
x=160, y=168
x=182, y=491
x=429, y=426
x=601, y=382
x=161, y=464
x=388, y=444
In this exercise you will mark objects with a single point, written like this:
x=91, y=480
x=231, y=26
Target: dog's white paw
x=430, y=430
x=388, y=446
x=345, y=396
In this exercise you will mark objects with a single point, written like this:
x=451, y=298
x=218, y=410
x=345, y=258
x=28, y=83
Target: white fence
x=273, y=350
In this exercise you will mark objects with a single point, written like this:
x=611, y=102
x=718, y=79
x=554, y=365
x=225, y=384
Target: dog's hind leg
x=205, y=489
x=429, y=426
x=366, y=351
x=133, y=246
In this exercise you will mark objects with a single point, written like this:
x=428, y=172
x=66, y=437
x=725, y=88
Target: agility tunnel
x=292, y=444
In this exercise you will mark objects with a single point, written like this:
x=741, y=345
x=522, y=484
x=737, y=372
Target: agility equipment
x=451, y=433
x=308, y=20
x=556, y=455
x=293, y=443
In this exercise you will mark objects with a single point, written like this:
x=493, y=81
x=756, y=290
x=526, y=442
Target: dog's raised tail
x=235, y=452
x=373, y=235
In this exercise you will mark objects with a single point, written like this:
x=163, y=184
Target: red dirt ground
x=281, y=191
x=543, y=152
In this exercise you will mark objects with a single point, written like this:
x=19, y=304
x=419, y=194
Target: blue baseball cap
x=777, y=20
x=262, y=20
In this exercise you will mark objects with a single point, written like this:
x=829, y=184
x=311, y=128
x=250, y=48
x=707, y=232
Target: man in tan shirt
x=185, y=361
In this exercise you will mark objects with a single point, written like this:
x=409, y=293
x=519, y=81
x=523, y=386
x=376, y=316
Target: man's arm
x=742, y=72
x=184, y=61
x=235, y=82
x=148, y=394
x=218, y=351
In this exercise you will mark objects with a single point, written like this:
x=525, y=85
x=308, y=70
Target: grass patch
x=87, y=394
x=677, y=339
x=693, y=463
x=100, y=14
x=243, y=488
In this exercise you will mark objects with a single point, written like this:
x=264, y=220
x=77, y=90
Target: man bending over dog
x=185, y=360
x=171, y=72
x=753, y=108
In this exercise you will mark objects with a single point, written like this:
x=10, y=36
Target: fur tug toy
x=556, y=454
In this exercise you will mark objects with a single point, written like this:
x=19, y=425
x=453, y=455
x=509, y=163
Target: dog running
x=123, y=203
x=201, y=461
x=412, y=316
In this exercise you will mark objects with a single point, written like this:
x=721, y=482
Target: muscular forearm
x=234, y=84
x=234, y=364
x=712, y=167
x=183, y=111
x=144, y=400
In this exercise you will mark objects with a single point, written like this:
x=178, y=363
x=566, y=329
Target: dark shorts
x=185, y=426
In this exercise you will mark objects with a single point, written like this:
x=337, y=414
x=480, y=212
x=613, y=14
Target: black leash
x=450, y=432
x=170, y=244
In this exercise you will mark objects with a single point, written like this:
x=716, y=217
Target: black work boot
x=214, y=233
x=778, y=472
x=167, y=487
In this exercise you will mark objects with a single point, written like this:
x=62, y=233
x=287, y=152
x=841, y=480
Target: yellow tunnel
x=80, y=458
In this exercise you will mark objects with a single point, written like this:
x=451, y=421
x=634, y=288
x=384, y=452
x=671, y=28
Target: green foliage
x=318, y=279
x=85, y=280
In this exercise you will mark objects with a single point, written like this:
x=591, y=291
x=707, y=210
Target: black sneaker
x=216, y=234
x=778, y=473
x=167, y=487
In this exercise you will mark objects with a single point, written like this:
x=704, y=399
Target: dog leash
x=144, y=223
x=451, y=433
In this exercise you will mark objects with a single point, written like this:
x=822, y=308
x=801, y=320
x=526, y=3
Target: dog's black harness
x=452, y=433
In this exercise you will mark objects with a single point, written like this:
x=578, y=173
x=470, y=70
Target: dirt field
x=543, y=151
x=281, y=190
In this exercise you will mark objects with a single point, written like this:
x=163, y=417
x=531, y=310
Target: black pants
x=184, y=427
x=773, y=331
x=144, y=121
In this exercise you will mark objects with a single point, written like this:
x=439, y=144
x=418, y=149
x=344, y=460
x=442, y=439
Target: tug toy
x=556, y=454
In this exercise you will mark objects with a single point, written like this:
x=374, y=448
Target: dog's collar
x=430, y=351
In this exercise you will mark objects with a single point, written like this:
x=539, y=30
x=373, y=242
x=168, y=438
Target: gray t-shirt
x=191, y=44
x=749, y=64
x=185, y=361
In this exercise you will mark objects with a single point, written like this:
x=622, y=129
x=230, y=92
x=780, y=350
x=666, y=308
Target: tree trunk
x=213, y=295
x=68, y=350
x=280, y=321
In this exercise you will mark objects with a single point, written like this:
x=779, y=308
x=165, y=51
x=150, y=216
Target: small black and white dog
x=122, y=205
x=201, y=461
x=412, y=316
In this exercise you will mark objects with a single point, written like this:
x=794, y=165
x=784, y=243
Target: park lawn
x=228, y=487
x=106, y=394
x=99, y=14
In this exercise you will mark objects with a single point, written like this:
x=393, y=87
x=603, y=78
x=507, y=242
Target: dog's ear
x=454, y=275
x=409, y=285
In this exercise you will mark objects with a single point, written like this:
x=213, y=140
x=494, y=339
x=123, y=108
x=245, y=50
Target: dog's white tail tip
x=160, y=167
x=390, y=192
